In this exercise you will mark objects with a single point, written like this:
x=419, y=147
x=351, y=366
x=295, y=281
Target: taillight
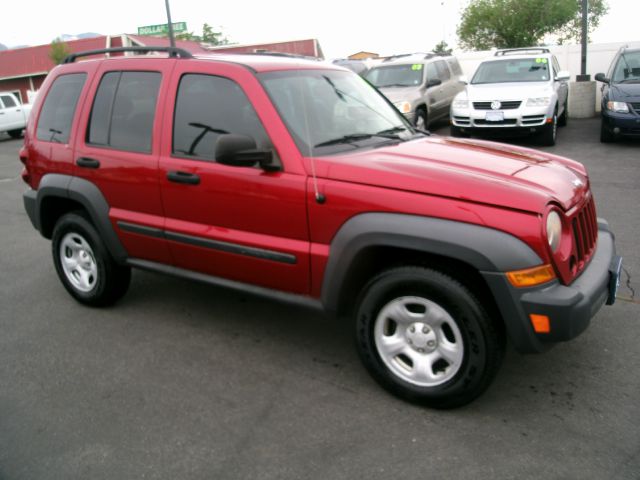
x=24, y=157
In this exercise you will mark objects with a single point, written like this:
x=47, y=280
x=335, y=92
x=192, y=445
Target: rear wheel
x=83, y=263
x=564, y=118
x=15, y=133
x=423, y=336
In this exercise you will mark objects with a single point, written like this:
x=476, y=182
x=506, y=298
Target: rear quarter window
x=58, y=110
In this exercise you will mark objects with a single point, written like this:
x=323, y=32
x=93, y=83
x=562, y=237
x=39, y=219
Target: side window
x=455, y=67
x=556, y=65
x=432, y=71
x=207, y=107
x=59, y=108
x=123, y=111
x=8, y=101
x=443, y=71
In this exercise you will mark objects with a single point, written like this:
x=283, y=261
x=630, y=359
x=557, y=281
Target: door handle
x=183, y=177
x=87, y=162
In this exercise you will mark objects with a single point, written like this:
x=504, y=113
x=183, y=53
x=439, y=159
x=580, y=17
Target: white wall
x=599, y=56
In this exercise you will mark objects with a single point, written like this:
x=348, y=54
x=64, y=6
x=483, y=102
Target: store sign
x=178, y=27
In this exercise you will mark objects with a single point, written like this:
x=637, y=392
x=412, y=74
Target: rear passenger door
x=436, y=94
x=240, y=223
x=118, y=149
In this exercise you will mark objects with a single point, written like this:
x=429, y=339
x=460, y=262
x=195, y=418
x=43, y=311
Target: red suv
x=296, y=179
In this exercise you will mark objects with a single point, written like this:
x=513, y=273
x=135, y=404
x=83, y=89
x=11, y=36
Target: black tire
x=15, y=133
x=421, y=120
x=106, y=281
x=479, y=339
x=549, y=133
x=458, y=133
x=564, y=118
x=606, y=136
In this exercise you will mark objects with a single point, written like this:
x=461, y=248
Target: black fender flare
x=90, y=197
x=483, y=248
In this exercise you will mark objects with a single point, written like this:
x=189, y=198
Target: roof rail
x=278, y=54
x=424, y=55
x=516, y=51
x=172, y=51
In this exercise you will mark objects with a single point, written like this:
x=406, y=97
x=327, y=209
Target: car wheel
x=606, y=136
x=15, y=133
x=564, y=118
x=424, y=337
x=83, y=263
x=420, y=121
x=550, y=132
x=458, y=133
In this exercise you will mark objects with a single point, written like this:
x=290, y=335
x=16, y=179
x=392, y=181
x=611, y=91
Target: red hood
x=475, y=171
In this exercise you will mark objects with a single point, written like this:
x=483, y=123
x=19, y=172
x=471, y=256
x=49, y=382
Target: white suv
x=517, y=91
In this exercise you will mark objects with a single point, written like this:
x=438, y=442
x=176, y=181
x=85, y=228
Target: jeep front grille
x=636, y=107
x=585, y=233
x=509, y=105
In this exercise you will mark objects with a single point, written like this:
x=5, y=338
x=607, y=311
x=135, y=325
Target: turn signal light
x=531, y=277
x=540, y=323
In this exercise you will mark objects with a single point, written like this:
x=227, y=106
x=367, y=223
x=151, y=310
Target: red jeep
x=296, y=179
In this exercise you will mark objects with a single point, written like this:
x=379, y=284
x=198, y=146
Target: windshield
x=506, y=71
x=329, y=111
x=396, y=75
x=627, y=69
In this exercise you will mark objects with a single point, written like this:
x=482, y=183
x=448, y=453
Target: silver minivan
x=420, y=85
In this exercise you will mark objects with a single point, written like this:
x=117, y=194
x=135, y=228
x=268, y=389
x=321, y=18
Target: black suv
x=621, y=96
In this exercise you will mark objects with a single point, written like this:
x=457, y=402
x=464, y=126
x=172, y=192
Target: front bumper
x=570, y=308
x=622, y=124
x=523, y=119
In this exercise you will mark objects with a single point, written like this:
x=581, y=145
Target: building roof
x=28, y=61
x=151, y=41
x=309, y=47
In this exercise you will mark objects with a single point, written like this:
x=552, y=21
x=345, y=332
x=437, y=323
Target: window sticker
x=541, y=60
x=416, y=66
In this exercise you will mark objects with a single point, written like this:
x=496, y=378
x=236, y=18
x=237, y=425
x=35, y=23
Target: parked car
x=515, y=92
x=13, y=115
x=298, y=180
x=359, y=66
x=420, y=85
x=621, y=96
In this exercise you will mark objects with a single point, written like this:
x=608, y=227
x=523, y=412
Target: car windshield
x=330, y=111
x=515, y=70
x=627, y=69
x=396, y=75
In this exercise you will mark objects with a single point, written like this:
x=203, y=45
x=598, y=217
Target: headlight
x=554, y=230
x=460, y=103
x=619, y=107
x=539, y=102
x=404, y=107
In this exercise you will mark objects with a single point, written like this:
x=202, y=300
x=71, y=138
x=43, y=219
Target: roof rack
x=172, y=51
x=517, y=51
x=279, y=54
x=424, y=55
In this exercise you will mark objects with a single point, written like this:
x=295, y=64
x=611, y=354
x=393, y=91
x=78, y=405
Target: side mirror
x=463, y=80
x=601, y=78
x=241, y=151
x=433, y=82
x=563, y=75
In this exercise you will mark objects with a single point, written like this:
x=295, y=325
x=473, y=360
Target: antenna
x=172, y=40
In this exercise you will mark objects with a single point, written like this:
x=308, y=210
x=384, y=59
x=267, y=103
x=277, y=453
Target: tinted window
x=208, y=106
x=123, y=111
x=455, y=66
x=432, y=71
x=443, y=71
x=59, y=107
x=8, y=101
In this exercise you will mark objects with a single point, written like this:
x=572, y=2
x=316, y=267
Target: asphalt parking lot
x=183, y=380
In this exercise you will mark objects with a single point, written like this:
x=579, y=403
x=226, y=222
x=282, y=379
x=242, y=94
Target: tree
x=59, y=51
x=208, y=36
x=442, y=49
x=487, y=24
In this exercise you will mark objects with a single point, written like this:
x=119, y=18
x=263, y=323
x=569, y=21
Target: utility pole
x=583, y=77
x=172, y=39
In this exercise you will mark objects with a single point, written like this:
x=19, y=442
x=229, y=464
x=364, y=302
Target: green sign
x=178, y=27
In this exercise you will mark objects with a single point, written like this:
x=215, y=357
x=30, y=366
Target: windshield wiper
x=354, y=137
x=394, y=85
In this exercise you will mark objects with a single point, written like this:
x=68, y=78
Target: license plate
x=614, y=279
x=494, y=116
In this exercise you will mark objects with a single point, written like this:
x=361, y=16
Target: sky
x=343, y=27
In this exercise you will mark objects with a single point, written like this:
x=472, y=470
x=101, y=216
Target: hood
x=626, y=92
x=508, y=91
x=476, y=171
x=400, y=94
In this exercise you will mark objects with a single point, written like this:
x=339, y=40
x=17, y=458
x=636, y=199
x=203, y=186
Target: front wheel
x=15, y=133
x=606, y=136
x=550, y=132
x=420, y=121
x=458, y=133
x=423, y=336
x=83, y=263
